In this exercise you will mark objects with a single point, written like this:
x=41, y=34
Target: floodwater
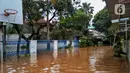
x=77, y=60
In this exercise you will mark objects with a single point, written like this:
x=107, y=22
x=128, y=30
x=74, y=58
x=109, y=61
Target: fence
x=11, y=46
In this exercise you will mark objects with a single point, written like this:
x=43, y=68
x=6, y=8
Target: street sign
x=122, y=19
x=119, y=9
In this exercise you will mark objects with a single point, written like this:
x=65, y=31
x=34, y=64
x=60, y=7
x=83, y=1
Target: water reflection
x=55, y=50
x=33, y=59
x=33, y=53
x=83, y=60
x=55, y=65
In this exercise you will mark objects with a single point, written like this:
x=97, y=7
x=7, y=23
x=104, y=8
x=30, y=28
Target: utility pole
x=2, y=58
x=48, y=27
x=4, y=41
x=126, y=33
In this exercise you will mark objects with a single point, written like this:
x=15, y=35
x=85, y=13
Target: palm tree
x=88, y=8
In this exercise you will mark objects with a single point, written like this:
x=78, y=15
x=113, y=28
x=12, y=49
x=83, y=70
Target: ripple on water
x=85, y=60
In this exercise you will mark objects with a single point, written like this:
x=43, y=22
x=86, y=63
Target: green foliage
x=35, y=10
x=59, y=49
x=10, y=29
x=24, y=47
x=118, y=47
x=69, y=45
x=61, y=34
x=102, y=21
x=114, y=29
x=85, y=41
x=71, y=18
x=31, y=10
x=88, y=8
x=124, y=56
x=64, y=7
x=78, y=22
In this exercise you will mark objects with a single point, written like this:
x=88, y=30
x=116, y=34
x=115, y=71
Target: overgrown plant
x=118, y=47
x=69, y=45
x=85, y=41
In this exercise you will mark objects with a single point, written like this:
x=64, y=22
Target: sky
x=97, y=4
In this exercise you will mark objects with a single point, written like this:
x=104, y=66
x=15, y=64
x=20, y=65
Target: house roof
x=41, y=22
x=111, y=7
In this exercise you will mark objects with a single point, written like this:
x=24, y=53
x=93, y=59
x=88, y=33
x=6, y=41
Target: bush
x=24, y=47
x=85, y=41
x=69, y=45
x=118, y=48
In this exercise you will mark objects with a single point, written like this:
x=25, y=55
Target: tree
x=102, y=21
x=10, y=29
x=78, y=22
x=113, y=30
x=32, y=14
x=35, y=10
x=87, y=8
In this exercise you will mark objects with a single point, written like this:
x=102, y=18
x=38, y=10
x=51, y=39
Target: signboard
x=119, y=9
x=11, y=5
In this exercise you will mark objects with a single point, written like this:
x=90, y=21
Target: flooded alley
x=77, y=60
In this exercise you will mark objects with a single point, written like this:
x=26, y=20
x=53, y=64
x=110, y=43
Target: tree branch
x=31, y=33
x=18, y=31
x=54, y=14
x=31, y=20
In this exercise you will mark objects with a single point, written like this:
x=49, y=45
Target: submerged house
x=121, y=18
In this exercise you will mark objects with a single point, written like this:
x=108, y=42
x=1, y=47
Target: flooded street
x=77, y=60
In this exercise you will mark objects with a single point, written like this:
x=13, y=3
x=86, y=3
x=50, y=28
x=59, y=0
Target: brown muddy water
x=77, y=60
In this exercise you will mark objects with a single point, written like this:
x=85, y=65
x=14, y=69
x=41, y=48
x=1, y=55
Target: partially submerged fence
x=11, y=47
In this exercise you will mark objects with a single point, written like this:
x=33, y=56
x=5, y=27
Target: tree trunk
x=48, y=27
x=18, y=46
x=28, y=47
x=22, y=36
x=114, y=40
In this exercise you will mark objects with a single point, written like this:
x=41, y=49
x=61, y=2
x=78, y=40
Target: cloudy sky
x=98, y=4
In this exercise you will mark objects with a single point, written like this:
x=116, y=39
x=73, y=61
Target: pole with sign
x=121, y=10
